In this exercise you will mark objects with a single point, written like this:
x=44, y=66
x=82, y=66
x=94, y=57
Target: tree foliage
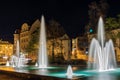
x=33, y=47
x=97, y=9
x=112, y=23
x=55, y=29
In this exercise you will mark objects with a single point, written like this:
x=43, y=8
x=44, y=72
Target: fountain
x=42, y=54
x=7, y=63
x=18, y=60
x=101, y=57
x=101, y=54
x=69, y=72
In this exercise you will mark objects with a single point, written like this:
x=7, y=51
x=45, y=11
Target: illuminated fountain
x=42, y=54
x=7, y=63
x=101, y=54
x=101, y=58
x=69, y=72
x=18, y=60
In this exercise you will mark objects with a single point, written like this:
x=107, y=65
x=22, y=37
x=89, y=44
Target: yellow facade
x=16, y=37
x=78, y=48
x=6, y=48
x=61, y=47
x=24, y=37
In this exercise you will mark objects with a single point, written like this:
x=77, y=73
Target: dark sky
x=71, y=14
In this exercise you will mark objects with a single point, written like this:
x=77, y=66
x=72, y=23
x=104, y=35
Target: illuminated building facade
x=24, y=37
x=6, y=48
x=79, y=45
x=61, y=47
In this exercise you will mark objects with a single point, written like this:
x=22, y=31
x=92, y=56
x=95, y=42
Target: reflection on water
x=60, y=72
x=103, y=77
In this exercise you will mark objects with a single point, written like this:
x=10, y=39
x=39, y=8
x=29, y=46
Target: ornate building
x=6, y=49
x=24, y=37
x=61, y=47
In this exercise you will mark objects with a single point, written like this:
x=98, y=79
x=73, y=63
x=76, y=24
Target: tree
x=56, y=31
x=95, y=11
x=92, y=12
x=33, y=44
x=111, y=23
x=104, y=6
x=118, y=19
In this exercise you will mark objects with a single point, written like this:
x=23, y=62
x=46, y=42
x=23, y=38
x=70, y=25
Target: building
x=24, y=37
x=61, y=47
x=6, y=49
x=79, y=46
x=16, y=37
x=115, y=36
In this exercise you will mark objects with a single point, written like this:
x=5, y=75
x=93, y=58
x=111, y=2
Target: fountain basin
x=35, y=73
x=59, y=73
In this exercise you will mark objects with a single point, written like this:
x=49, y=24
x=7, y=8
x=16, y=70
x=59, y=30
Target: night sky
x=71, y=14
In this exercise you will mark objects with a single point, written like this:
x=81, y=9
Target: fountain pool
x=101, y=60
x=59, y=73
